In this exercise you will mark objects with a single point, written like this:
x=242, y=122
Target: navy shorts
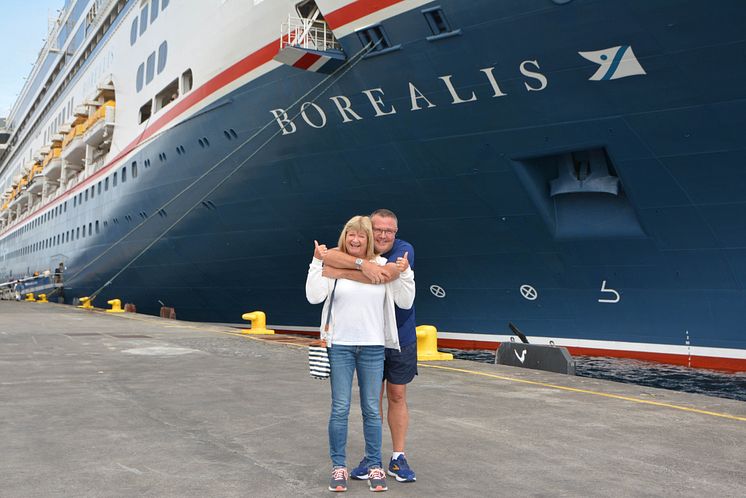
x=400, y=367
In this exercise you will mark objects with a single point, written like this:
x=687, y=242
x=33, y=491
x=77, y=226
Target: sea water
x=678, y=378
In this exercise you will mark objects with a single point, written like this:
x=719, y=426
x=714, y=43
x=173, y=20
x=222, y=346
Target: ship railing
x=307, y=33
x=45, y=279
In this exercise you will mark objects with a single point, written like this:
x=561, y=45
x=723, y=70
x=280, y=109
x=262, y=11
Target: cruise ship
x=573, y=167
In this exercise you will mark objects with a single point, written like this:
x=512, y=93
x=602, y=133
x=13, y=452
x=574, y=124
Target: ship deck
x=95, y=404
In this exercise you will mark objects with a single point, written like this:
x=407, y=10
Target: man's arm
x=374, y=273
x=357, y=276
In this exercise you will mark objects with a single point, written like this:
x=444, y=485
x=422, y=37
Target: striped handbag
x=318, y=360
x=318, y=356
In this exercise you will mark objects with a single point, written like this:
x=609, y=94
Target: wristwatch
x=359, y=263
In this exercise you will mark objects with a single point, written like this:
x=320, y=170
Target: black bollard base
x=535, y=356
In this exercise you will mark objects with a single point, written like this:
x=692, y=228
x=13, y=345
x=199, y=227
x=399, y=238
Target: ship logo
x=615, y=62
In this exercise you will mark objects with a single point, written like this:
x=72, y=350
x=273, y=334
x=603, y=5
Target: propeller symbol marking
x=529, y=292
x=438, y=291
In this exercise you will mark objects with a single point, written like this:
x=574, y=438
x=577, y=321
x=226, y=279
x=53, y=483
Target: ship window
x=437, y=20
x=145, y=112
x=143, y=19
x=124, y=174
x=114, y=180
x=133, y=32
x=80, y=198
x=83, y=231
x=438, y=23
x=140, y=76
x=77, y=233
x=90, y=228
x=154, y=11
x=376, y=36
x=167, y=95
x=65, y=206
x=106, y=184
x=93, y=191
x=134, y=170
x=162, y=56
x=86, y=194
x=75, y=201
x=150, y=68
x=96, y=226
x=99, y=188
x=186, y=81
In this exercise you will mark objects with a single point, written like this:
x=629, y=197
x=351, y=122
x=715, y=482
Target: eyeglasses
x=384, y=231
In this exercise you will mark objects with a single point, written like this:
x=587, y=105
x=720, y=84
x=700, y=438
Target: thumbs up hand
x=319, y=250
x=403, y=263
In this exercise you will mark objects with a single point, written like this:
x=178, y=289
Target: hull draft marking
x=612, y=300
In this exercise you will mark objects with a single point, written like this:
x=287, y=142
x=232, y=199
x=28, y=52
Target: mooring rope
x=334, y=76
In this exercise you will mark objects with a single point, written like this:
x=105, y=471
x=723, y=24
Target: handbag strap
x=329, y=311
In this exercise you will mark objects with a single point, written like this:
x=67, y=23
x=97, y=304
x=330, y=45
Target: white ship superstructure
x=112, y=75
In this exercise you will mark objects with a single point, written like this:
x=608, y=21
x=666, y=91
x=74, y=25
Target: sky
x=23, y=24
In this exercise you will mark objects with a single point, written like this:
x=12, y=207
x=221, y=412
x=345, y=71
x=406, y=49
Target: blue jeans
x=368, y=362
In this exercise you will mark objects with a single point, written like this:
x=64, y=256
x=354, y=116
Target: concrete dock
x=102, y=405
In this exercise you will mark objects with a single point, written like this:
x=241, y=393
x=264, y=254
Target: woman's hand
x=331, y=272
x=319, y=251
x=403, y=263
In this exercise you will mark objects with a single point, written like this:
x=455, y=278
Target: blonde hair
x=359, y=224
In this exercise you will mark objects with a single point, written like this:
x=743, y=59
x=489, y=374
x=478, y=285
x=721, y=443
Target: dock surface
x=102, y=405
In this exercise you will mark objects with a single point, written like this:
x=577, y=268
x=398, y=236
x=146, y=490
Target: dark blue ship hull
x=609, y=210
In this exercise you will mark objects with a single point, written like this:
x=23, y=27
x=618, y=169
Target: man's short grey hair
x=384, y=213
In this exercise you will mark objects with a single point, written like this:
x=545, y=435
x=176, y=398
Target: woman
x=361, y=324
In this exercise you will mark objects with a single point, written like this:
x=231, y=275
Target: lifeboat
x=73, y=146
x=100, y=125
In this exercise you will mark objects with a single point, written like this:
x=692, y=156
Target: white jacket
x=400, y=292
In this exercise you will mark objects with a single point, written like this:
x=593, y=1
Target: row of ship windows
x=102, y=186
x=94, y=227
x=117, y=177
x=436, y=20
x=147, y=70
x=62, y=238
x=167, y=95
x=140, y=24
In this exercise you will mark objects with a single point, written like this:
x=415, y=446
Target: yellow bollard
x=42, y=298
x=30, y=297
x=87, y=303
x=427, y=345
x=258, y=323
x=116, y=306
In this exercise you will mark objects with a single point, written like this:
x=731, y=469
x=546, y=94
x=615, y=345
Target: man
x=400, y=367
x=58, y=273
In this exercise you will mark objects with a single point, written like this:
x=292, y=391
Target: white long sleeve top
x=400, y=292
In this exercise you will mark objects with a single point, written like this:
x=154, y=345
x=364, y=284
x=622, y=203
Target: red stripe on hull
x=356, y=10
x=711, y=362
x=306, y=61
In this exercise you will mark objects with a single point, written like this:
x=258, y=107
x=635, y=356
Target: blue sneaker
x=399, y=469
x=360, y=472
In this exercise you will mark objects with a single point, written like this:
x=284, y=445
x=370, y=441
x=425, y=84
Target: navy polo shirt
x=405, y=320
